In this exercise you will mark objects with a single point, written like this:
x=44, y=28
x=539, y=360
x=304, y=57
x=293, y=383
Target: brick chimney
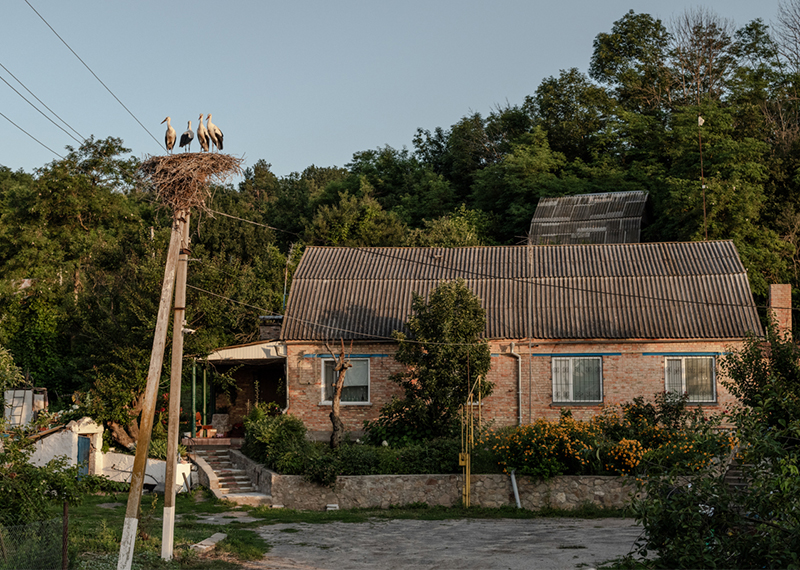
x=780, y=308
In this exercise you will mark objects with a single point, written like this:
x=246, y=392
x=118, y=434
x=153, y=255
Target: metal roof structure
x=611, y=217
x=612, y=291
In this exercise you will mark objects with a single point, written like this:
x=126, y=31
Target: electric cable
x=42, y=102
x=40, y=111
x=94, y=74
x=30, y=135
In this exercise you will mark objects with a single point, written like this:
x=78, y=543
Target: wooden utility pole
x=179, y=311
x=150, y=395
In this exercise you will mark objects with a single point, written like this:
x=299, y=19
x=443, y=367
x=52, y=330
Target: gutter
x=519, y=383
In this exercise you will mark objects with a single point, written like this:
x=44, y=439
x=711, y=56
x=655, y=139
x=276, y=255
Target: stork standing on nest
x=170, y=137
x=215, y=134
x=202, y=134
x=186, y=138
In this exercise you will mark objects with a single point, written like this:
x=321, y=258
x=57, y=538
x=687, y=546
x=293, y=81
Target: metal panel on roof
x=614, y=291
x=612, y=217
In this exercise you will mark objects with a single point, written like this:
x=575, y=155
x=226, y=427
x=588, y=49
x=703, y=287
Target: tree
x=462, y=228
x=700, y=521
x=511, y=188
x=633, y=59
x=446, y=359
x=355, y=221
x=572, y=111
x=701, y=55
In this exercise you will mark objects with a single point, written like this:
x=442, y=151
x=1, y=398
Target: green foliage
x=700, y=520
x=462, y=228
x=158, y=449
x=446, y=360
x=10, y=374
x=27, y=490
x=273, y=439
x=638, y=439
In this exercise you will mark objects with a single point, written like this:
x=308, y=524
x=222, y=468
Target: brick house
x=569, y=326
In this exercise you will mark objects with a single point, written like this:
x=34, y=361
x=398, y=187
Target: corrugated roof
x=614, y=291
x=612, y=217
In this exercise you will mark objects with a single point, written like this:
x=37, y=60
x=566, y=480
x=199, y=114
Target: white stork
x=170, y=137
x=186, y=138
x=215, y=134
x=202, y=134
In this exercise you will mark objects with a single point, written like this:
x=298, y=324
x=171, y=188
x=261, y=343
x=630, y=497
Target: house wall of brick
x=780, y=302
x=629, y=369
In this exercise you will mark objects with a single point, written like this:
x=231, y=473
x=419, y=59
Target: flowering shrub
x=632, y=439
x=544, y=449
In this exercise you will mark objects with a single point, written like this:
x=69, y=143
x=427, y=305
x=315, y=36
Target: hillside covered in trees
x=663, y=108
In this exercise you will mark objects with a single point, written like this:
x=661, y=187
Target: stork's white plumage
x=186, y=138
x=170, y=137
x=214, y=134
x=202, y=134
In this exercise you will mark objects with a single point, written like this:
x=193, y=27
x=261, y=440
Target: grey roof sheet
x=612, y=217
x=613, y=291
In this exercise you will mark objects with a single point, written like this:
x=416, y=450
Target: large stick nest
x=181, y=181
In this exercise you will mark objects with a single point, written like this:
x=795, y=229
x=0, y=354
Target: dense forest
x=691, y=109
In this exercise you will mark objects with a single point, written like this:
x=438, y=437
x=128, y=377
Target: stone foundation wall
x=381, y=491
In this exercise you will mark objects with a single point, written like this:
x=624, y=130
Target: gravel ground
x=462, y=544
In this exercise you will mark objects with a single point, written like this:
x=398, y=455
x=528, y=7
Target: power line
x=30, y=135
x=261, y=309
x=93, y=73
x=40, y=111
x=253, y=223
x=42, y=102
x=375, y=251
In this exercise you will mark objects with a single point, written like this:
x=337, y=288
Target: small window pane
x=561, y=380
x=700, y=379
x=577, y=379
x=356, y=381
x=675, y=375
x=586, y=380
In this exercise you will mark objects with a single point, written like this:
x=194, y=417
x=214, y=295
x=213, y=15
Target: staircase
x=735, y=477
x=225, y=480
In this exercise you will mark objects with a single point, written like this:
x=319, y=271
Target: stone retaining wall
x=381, y=491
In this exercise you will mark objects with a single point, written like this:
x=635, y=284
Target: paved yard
x=450, y=544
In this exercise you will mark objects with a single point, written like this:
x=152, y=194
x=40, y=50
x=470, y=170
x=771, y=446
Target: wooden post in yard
x=148, y=410
x=173, y=427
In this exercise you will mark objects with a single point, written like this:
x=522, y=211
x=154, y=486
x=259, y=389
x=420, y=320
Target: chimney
x=780, y=308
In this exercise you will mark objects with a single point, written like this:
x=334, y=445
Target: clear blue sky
x=293, y=83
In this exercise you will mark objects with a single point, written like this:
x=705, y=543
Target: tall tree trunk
x=342, y=364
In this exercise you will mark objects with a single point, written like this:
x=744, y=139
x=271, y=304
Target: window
x=356, y=381
x=692, y=375
x=578, y=379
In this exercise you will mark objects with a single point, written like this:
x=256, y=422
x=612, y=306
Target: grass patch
x=244, y=544
x=95, y=534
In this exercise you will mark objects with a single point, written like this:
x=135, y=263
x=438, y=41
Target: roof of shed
x=611, y=217
x=611, y=291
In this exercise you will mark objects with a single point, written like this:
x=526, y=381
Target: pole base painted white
x=168, y=533
x=128, y=542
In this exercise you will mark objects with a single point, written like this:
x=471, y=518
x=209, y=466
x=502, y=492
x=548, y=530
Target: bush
x=624, y=440
x=268, y=437
x=697, y=520
x=158, y=449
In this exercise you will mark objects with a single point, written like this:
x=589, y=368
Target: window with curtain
x=692, y=375
x=356, y=381
x=578, y=379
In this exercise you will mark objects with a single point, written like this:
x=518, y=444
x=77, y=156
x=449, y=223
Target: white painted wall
x=60, y=443
x=118, y=467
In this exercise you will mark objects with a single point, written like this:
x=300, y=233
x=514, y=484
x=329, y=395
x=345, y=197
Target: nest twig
x=181, y=180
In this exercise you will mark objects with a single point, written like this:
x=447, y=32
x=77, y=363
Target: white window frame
x=327, y=401
x=571, y=360
x=684, y=386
